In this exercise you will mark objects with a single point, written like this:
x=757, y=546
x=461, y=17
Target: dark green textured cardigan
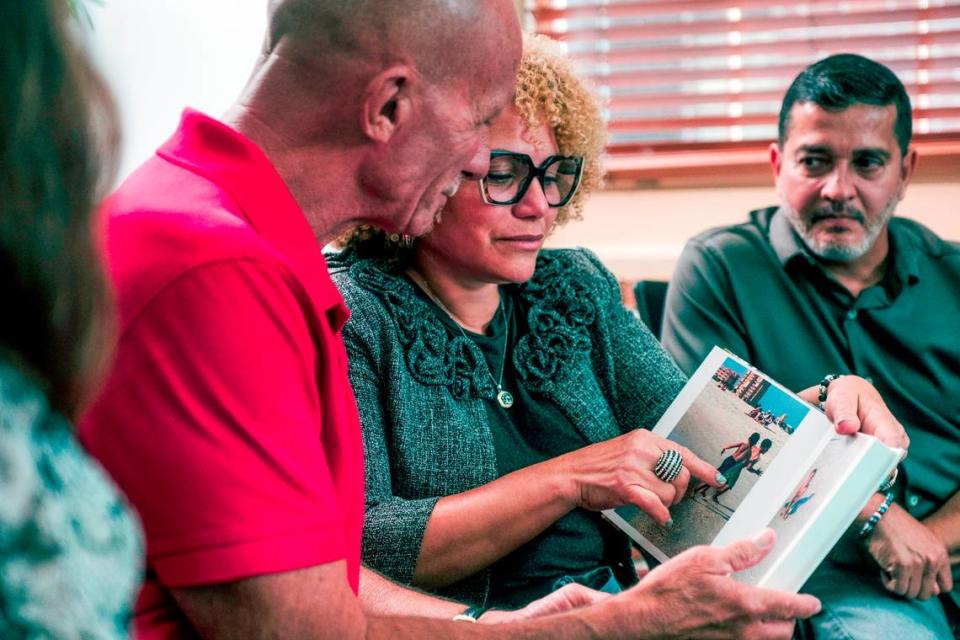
x=421, y=391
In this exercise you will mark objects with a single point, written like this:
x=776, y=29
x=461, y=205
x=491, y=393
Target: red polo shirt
x=228, y=417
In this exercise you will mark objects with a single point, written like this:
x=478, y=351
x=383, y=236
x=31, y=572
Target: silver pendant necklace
x=504, y=397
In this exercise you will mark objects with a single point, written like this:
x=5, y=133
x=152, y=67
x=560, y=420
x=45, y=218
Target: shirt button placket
x=854, y=333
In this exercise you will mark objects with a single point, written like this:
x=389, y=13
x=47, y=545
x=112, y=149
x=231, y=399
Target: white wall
x=162, y=55
x=639, y=234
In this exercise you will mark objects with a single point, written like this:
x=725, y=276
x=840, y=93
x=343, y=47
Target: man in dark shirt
x=831, y=282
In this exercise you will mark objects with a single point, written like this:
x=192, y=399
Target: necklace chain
x=505, y=398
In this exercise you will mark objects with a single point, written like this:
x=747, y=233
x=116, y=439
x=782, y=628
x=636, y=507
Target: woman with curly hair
x=504, y=391
x=499, y=385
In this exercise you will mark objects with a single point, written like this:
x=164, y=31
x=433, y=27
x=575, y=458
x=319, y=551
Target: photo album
x=786, y=468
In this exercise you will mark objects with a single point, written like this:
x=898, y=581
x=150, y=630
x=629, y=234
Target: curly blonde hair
x=549, y=91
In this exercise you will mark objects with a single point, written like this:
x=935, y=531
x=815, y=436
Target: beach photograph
x=819, y=483
x=739, y=423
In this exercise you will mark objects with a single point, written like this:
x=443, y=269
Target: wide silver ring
x=669, y=465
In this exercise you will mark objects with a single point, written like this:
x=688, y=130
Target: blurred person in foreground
x=501, y=387
x=70, y=549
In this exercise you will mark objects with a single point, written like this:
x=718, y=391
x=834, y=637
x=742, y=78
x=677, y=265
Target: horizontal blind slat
x=708, y=76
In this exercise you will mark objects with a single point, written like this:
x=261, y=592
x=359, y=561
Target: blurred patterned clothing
x=70, y=550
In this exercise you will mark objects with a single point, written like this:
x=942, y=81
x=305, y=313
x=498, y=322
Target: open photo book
x=786, y=469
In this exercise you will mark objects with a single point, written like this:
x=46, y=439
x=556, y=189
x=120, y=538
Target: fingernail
x=669, y=524
x=764, y=539
x=720, y=478
x=839, y=421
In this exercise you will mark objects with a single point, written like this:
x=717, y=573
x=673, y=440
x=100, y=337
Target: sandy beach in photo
x=715, y=419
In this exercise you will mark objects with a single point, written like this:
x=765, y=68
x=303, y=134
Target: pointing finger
x=700, y=469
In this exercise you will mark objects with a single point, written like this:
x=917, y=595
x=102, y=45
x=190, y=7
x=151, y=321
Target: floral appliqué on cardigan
x=559, y=313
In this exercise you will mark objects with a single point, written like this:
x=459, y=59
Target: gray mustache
x=844, y=212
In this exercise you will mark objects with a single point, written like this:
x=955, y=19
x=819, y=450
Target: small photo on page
x=804, y=493
x=819, y=483
x=739, y=423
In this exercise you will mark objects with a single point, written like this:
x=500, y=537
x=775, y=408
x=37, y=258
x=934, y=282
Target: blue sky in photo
x=774, y=399
x=729, y=363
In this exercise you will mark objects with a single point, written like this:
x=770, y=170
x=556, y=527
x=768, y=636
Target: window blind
x=693, y=87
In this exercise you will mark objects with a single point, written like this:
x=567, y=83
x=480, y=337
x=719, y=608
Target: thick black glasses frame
x=533, y=171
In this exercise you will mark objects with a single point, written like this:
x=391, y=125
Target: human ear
x=907, y=167
x=775, y=159
x=386, y=103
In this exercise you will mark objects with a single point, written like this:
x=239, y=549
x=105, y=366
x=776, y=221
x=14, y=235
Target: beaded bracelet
x=890, y=481
x=822, y=388
x=871, y=524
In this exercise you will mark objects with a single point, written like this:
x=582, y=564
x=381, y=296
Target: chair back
x=651, y=296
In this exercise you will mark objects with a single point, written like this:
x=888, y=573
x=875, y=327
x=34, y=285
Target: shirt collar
x=903, y=253
x=785, y=241
x=237, y=165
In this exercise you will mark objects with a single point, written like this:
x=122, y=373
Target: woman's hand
x=471, y=530
x=620, y=471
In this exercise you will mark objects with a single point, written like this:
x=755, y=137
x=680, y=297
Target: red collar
x=237, y=165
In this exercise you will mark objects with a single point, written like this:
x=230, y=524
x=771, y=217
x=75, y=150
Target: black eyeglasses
x=511, y=174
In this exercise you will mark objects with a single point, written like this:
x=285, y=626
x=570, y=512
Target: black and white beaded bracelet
x=823, y=386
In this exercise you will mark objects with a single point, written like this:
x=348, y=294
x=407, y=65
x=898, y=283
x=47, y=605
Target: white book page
x=820, y=508
x=762, y=436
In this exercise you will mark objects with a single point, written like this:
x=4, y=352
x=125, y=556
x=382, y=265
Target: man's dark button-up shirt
x=755, y=289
